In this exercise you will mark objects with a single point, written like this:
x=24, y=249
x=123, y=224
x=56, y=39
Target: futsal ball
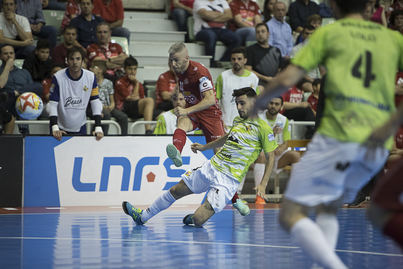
x=29, y=106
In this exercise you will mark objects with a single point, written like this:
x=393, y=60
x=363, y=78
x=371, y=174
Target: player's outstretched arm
x=382, y=133
x=213, y=144
x=261, y=189
x=281, y=83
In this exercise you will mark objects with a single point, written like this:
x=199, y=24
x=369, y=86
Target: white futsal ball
x=29, y=106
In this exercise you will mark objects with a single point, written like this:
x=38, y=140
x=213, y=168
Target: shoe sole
x=172, y=153
x=125, y=208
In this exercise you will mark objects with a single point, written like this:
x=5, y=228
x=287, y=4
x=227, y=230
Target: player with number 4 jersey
x=361, y=59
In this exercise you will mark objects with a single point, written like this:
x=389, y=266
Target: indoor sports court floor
x=104, y=237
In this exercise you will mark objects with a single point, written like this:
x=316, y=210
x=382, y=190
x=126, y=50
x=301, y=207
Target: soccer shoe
x=133, y=212
x=260, y=200
x=174, y=154
x=188, y=219
x=242, y=208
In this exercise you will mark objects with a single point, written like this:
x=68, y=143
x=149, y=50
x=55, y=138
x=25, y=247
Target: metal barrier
x=46, y=124
x=295, y=124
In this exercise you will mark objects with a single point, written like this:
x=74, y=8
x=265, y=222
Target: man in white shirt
x=227, y=81
x=15, y=30
x=210, y=18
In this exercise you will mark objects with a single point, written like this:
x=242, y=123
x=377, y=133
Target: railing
x=295, y=124
x=46, y=123
x=133, y=125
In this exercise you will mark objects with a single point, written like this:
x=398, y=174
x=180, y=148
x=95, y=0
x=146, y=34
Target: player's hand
x=98, y=133
x=9, y=64
x=197, y=147
x=180, y=111
x=277, y=130
x=58, y=134
x=28, y=42
x=260, y=190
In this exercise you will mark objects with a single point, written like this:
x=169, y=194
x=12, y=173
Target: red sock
x=235, y=197
x=393, y=228
x=179, y=139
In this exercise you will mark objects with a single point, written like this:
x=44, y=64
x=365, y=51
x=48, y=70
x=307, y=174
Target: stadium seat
x=53, y=17
x=122, y=41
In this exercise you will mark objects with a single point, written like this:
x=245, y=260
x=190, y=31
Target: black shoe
x=188, y=219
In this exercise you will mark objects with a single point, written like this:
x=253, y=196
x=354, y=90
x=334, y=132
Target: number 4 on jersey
x=368, y=76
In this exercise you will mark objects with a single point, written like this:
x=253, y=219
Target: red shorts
x=388, y=192
x=210, y=122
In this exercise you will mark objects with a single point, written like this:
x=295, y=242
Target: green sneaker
x=174, y=155
x=133, y=212
x=242, y=208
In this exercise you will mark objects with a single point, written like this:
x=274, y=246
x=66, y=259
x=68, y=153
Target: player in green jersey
x=361, y=59
x=221, y=175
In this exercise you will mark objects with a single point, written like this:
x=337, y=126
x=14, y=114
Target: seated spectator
x=72, y=10
x=167, y=121
x=295, y=108
x=112, y=12
x=53, y=5
x=32, y=9
x=181, y=10
x=105, y=50
x=280, y=30
x=396, y=21
x=86, y=24
x=304, y=35
x=210, y=26
x=39, y=64
x=397, y=5
x=378, y=15
x=263, y=59
x=166, y=85
x=313, y=23
x=130, y=97
x=268, y=7
x=15, y=30
x=106, y=95
x=246, y=15
x=299, y=12
x=313, y=98
x=59, y=53
x=13, y=82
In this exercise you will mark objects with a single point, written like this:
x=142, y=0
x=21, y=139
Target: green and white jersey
x=281, y=122
x=246, y=139
x=361, y=59
x=226, y=83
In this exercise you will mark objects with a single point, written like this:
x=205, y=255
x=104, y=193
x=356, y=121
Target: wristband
x=55, y=128
x=98, y=129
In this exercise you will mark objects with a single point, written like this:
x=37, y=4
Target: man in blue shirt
x=280, y=30
x=86, y=24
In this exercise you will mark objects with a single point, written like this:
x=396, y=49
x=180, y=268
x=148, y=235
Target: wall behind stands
x=80, y=171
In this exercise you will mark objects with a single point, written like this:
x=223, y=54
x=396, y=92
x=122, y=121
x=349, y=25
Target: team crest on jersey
x=248, y=128
x=85, y=88
x=188, y=173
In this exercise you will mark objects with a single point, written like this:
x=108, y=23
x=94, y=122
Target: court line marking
x=193, y=242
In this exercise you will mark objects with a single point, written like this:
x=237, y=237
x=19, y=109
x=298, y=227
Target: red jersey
x=72, y=9
x=193, y=82
x=123, y=88
x=248, y=11
x=313, y=102
x=112, y=50
x=166, y=82
x=293, y=95
x=111, y=12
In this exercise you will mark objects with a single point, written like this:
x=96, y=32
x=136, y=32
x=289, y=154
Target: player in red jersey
x=202, y=110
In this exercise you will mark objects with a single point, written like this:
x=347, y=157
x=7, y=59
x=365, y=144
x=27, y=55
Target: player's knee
x=295, y=157
x=285, y=219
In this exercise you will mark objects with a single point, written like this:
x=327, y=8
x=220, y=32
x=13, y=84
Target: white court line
x=9, y=208
x=194, y=242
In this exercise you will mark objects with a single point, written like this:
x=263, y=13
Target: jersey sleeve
x=94, y=90
x=54, y=91
x=266, y=137
x=287, y=131
x=314, y=52
x=219, y=86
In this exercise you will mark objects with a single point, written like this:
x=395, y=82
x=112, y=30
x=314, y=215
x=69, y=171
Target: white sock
x=162, y=203
x=312, y=241
x=258, y=173
x=330, y=227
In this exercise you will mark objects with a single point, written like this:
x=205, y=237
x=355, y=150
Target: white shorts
x=330, y=169
x=220, y=188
